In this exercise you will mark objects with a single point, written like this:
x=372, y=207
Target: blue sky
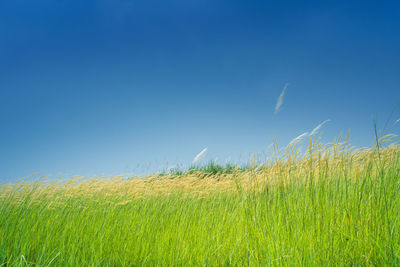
x=111, y=87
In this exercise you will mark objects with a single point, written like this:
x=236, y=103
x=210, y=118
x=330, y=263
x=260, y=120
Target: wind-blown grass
x=332, y=205
x=318, y=127
x=199, y=156
x=279, y=102
x=297, y=139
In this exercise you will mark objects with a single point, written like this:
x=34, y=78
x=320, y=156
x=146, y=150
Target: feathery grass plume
x=298, y=139
x=280, y=99
x=199, y=156
x=316, y=129
x=398, y=120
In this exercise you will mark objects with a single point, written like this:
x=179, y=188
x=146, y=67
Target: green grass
x=330, y=207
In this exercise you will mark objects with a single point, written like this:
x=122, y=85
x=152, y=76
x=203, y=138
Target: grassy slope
x=330, y=207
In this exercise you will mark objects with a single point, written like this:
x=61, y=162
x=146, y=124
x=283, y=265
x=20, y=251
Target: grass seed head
x=199, y=156
x=296, y=140
x=316, y=129
x=279, y=102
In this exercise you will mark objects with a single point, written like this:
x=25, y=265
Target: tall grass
x=331, y=205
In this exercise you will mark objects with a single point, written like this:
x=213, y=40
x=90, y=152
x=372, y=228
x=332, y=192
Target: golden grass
x=287, y=167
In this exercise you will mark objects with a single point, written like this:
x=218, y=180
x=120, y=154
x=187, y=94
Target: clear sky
x=123, y=86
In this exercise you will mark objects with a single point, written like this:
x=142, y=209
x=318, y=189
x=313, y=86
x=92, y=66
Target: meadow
x=329, y=205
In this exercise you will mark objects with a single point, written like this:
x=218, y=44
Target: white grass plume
x=316, y=129
x=199, y=156
x=397, y=121
x=297, y=139
x=280, y=99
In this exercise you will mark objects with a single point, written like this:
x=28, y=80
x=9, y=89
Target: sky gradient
x=112, y=87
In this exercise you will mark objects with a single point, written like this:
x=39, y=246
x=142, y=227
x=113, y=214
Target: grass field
x=331, y=205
